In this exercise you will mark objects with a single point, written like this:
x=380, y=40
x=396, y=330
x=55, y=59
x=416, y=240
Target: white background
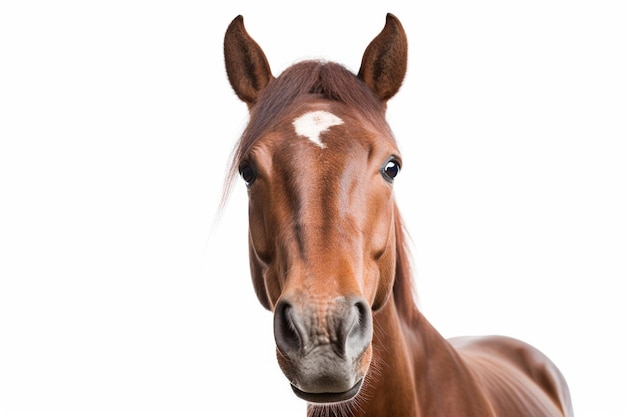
x=120, y=295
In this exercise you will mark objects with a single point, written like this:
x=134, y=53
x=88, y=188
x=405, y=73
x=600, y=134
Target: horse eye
x=390, y=170
x=248, y=174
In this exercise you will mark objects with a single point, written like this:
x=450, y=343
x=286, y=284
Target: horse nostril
x=286, y=332
x=361, y=332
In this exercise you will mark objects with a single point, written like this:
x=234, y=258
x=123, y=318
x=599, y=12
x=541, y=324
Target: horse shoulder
x=519, y=378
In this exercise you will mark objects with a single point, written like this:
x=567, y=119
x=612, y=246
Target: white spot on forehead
x=311, y=125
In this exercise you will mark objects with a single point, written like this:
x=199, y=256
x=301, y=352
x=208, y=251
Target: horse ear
x=384, y=61
x=246, y=65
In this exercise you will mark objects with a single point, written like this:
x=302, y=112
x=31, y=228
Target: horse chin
x=328, y=397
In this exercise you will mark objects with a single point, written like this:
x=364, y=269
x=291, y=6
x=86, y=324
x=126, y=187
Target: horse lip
x=328, y=397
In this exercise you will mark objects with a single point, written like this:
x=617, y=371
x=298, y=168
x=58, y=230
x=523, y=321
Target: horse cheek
x=261, y=255
x=382, y=252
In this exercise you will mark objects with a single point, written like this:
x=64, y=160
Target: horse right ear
x=246, y=65
x=385, y=59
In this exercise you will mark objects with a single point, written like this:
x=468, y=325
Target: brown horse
x=328, y=254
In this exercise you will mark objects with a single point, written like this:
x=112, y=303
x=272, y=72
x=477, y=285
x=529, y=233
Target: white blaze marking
x=312, y=124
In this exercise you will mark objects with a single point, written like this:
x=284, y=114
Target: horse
x=329, y=256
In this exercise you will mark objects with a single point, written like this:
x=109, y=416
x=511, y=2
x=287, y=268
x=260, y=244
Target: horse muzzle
x=324, y=350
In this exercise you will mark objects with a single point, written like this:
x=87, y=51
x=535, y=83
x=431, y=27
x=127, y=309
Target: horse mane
x=403, y=289
x=334, y=82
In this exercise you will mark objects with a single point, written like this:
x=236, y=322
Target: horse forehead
x=319, y=134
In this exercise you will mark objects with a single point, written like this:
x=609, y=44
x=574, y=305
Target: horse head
x=319, y=162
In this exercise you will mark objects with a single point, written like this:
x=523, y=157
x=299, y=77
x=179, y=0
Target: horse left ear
x=384, y=61
x=246, y=65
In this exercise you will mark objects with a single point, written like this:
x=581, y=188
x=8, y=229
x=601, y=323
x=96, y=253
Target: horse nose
x=346, y=326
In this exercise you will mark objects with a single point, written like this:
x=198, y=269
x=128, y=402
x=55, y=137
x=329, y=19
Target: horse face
x=319, y=162
x=321, y=236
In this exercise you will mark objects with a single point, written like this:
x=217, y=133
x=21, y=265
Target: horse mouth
x=328, y=397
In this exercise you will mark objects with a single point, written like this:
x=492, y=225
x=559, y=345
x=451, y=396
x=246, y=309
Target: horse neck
x=417, y=372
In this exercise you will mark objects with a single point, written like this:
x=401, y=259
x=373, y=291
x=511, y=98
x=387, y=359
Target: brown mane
x=403, y=289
